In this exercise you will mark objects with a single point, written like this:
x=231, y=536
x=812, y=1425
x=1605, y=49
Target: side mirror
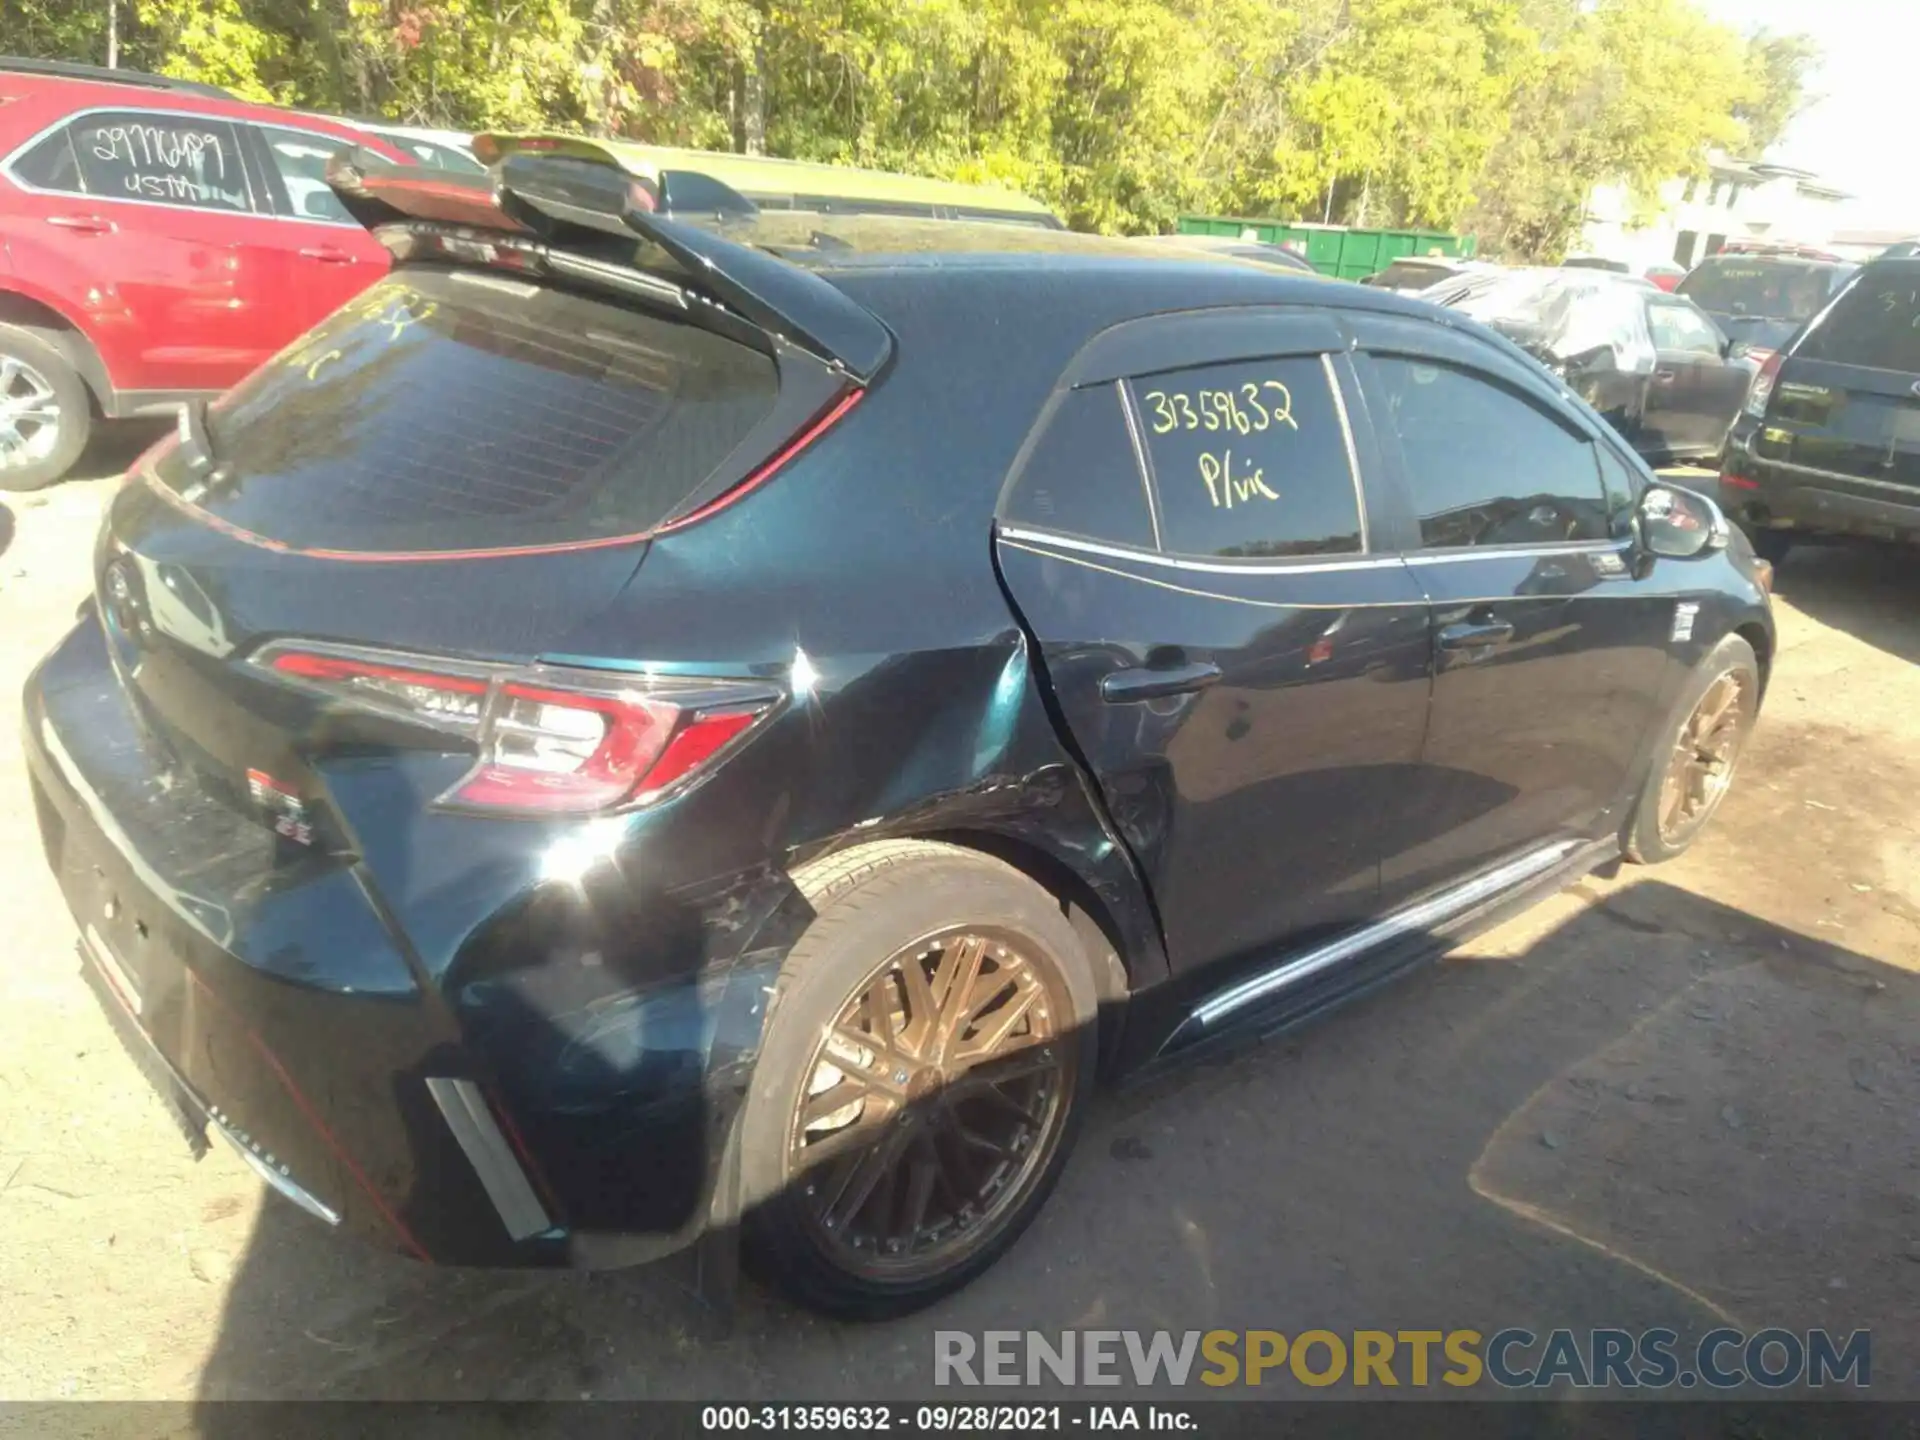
x=1679, y=524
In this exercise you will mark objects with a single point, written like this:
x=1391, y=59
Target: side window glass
x=1677, y=327
x=1249, y=460
x=1484, y=466
x=1082, y=476
x=50, y=165
x=301, y=158
x=176, y=159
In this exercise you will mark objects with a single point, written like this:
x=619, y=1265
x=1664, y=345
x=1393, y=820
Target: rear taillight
x=1761, y=391
x=550, y=740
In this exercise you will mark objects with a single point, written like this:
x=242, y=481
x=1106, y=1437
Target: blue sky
x=1858, y=135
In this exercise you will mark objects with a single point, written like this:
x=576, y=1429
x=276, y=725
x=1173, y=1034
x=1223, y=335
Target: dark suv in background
x=1760, y=300
x=1829, y=443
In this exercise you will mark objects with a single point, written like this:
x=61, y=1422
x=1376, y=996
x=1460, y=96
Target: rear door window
x=170, y=159
x=300, y=162
x=1082, y=475
x=452, y=410
x=1250, y=460
x=1876, y=323
x=1485, y=466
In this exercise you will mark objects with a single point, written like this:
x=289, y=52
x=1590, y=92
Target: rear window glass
x=1876, y=323
x=1767, y=289
x=450, y=410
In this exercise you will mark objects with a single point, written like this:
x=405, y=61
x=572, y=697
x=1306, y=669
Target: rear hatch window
x=1765, y=289
x=1876, y=324
x=450, y=410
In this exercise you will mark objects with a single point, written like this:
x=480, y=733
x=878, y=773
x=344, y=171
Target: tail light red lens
x=550, y=741
x=1761, y=391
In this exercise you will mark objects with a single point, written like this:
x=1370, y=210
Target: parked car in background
x=159, y=242
x=436, y=149
x=1596, y=262
x=1654, y=364
x=1759, y=300
x=1234, y=248
x=1829, y=441
x=804, y=186
x=1664, y=277
x=720, y=746
x=1417, y=272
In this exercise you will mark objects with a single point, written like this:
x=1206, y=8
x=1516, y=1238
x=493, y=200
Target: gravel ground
x=1683, y=1096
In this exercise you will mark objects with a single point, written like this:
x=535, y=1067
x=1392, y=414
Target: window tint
x=301, y=158
x=1082, y=475
x=178, y=159
x=1249, y=460
x=448, y=410
x=1774, y=289
x=1682, y=328
x=1484, y=466
x=50, y=164
x=1876, y=323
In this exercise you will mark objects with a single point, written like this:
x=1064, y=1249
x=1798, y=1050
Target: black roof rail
x=73, y=70
x=563, y=202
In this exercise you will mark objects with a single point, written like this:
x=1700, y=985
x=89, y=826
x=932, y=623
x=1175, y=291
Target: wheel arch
x=62, y=331
x=1118, y=970
x=1761, y=639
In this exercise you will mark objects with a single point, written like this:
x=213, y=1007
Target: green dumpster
x=1336, y=250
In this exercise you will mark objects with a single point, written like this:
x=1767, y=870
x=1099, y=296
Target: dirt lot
x=1685, y=1096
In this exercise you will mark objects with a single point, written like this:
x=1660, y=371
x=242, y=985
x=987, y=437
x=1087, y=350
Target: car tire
x=1696, y=755
x=36, y=378
x=932, y=1166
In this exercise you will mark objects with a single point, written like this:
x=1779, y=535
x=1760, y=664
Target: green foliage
x=1501, y=114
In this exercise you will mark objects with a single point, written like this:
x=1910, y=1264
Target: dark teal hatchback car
x=638, y=733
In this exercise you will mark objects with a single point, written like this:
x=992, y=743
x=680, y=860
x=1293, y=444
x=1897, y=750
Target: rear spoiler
x=567, y=198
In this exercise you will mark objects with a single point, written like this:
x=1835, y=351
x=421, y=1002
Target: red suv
x=158, y=240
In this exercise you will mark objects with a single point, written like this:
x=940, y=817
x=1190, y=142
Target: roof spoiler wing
x=552, y=194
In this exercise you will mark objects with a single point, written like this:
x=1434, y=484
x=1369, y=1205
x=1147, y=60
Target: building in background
x=1869, y=244
x=1754, y=201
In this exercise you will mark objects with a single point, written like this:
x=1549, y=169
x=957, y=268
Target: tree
x=1779, y=67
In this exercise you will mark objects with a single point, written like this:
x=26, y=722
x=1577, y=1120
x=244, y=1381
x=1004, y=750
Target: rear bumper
x=282, y=1009
x=1774, y=495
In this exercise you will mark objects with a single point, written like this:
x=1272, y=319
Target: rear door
x=1548, y=651
x=1245, y=677
x=1847, y=402
x=159, y=209
x=1696, y=390
x=324, y=256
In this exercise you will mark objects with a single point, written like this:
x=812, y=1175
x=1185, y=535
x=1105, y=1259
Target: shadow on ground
x=1870, y=592
x=1648, y=1109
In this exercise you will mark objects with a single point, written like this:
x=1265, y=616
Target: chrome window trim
x=1353, y=453
x=1215, y=594
x=1434, y=910
x=1456, y=553
x=1304, y=565
x=253, y=201
x=1132, y=418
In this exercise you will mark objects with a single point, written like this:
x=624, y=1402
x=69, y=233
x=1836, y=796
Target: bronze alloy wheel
x=933, y=1103
x=1704, y=754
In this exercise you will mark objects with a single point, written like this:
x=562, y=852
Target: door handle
x=1125, y=686
x=326, y=254
x=84, y=224
x=1475, y=634
x=1665, y=377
